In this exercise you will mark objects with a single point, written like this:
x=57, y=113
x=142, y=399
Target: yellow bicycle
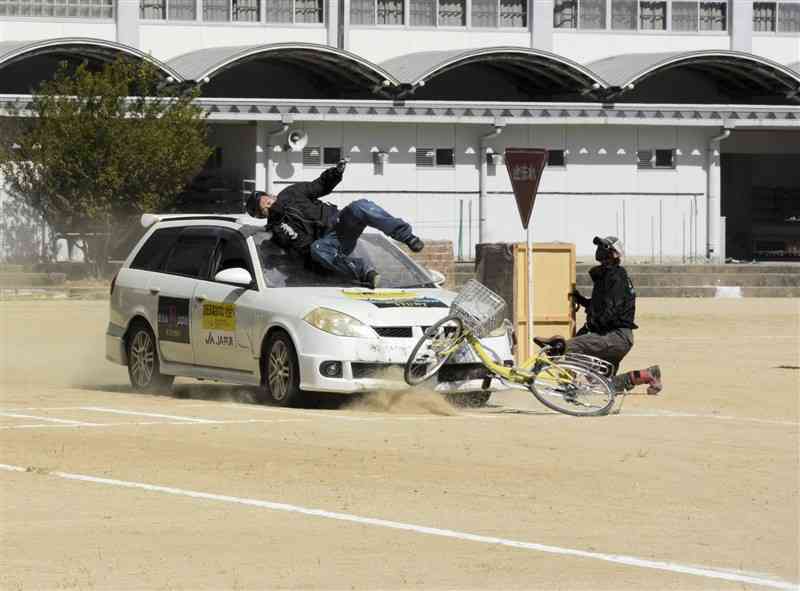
x=570, y=383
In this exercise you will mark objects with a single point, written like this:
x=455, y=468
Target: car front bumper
x=370, y=365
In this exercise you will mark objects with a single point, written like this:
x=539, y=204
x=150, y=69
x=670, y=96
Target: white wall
x=382, y=43
x=595, y=194
x=784, y=49
x=167, y=40
x=38, y=29
x=590, y=46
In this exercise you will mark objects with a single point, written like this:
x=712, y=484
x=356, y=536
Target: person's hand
x=340, y=166
x=577, y=298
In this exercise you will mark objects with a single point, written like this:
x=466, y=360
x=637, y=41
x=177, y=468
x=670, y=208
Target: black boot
x=415, y=244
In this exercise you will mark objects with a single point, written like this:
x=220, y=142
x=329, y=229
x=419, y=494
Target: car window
x=192, y=253
x=152, y=254
x=283, y=268
x=231, y=253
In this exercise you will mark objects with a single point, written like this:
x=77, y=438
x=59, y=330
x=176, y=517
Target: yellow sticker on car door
x=219, y=316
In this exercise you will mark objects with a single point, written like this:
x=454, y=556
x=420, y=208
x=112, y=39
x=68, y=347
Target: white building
x=660, y=116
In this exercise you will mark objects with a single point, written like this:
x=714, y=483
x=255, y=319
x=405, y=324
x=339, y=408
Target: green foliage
x=95, y=147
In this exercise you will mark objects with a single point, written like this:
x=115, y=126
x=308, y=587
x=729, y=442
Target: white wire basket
x=593, y=364
x=479, y=308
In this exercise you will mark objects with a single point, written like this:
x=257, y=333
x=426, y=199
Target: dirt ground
x=696, y=489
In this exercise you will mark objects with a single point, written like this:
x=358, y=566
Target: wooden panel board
x=553, y=279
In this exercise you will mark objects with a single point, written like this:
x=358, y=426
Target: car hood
x=381, y=307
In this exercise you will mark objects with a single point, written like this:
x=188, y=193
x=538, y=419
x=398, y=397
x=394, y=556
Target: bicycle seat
x=556, y=345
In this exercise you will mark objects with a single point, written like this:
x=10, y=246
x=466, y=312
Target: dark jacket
x=298, y=217
x=613, y=301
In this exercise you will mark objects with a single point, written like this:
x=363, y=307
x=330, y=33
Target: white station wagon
x=213, y=297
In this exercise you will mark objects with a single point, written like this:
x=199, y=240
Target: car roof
x=239, y=220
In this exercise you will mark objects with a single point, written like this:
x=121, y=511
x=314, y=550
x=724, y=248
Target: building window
x=556, y=158
x=699, y=16
x=499, y=13
x=583, y=14
x=381, y=12
x=317, y=156
x=430, y=157
x=653, y=16
x=663, y=158
x=177, y=10
x=58, y=8
x=294, y=11
x=441, y=13
x=782, y=16
x=230, y=10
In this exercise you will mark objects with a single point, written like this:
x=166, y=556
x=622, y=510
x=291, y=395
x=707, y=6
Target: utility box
x=503, y=268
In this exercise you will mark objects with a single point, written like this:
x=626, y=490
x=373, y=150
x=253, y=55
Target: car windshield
x=282, y=268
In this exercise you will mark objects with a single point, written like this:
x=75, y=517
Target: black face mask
x=603, y=253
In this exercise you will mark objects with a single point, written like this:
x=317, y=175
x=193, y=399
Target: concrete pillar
x=741, y=22
x=127, y=17
x=332, y=9
x=542, y=24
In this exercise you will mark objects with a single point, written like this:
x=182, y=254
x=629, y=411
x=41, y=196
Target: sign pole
x=529, y=257
x=525, y=167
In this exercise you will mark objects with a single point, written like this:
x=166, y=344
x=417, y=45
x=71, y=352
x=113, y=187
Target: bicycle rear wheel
x=585, y=394
x=433, y=349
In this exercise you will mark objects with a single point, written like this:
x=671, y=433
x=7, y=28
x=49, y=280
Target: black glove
x=340, y=166
x=579, y=299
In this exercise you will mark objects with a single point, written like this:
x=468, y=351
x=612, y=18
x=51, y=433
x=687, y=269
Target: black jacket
x=298, y=217
x=613, y=301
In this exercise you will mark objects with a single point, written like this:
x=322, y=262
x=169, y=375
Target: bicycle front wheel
x=573, y=390
x=433, y=349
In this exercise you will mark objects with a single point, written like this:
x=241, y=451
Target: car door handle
x=201, y=298
x=155, y=290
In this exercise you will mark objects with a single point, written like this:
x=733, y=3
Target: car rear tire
x=280, y=371
x=144, y=369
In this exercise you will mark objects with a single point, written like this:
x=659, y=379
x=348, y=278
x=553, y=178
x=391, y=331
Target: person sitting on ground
x=608, y=332
x=304, y=224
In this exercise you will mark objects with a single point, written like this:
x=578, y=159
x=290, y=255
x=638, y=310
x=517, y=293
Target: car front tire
x=144, y=369
x=280, y=371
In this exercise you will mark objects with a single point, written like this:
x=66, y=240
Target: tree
x=96, y=146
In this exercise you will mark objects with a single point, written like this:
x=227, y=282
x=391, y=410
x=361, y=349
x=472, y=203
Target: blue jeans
x=333, y=250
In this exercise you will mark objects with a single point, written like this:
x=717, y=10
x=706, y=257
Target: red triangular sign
x=525, y=166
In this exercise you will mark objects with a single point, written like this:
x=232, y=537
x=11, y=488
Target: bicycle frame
x=517, y=375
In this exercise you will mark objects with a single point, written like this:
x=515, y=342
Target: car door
x=187, y=262
x=223, y=314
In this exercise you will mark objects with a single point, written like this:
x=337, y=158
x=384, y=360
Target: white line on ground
x=47, y=419
x=714, y=338
x=700, y=571
x=152, y=423
x=144, y=414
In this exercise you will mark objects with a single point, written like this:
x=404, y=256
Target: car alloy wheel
x=142, y=359
x=279, y=372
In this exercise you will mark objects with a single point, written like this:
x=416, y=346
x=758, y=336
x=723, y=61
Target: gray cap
x=611, y=242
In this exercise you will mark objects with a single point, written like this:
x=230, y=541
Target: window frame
x=261, y=10
x=321, y=163
x=609, y=20
x=225, y=236
x=776, y=30
x=651, y=162
x=437, y=25
x=563, y=158
x=52, y=6
x=435, y=163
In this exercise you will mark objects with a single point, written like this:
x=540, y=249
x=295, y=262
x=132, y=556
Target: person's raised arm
x=326, y=182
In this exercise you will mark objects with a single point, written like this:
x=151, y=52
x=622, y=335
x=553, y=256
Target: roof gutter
x=499, y=125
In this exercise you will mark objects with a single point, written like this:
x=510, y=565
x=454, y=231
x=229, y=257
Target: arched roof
x=795, y=66
x=416, y=68
x=13, y=52
x=212, y=61
x=735, y=67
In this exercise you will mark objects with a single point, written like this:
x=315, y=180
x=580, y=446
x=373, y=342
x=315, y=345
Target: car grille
x=393, y=332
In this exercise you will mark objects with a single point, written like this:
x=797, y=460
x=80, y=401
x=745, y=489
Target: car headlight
x=338, y=323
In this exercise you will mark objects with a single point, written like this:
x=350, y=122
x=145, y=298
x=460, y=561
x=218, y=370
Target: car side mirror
x=236, y=276
x=437, y=277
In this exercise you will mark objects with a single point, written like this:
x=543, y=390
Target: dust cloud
x=419, y=400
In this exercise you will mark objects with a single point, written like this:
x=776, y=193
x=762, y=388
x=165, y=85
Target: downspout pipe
x=482, y=173
x=713, y=198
